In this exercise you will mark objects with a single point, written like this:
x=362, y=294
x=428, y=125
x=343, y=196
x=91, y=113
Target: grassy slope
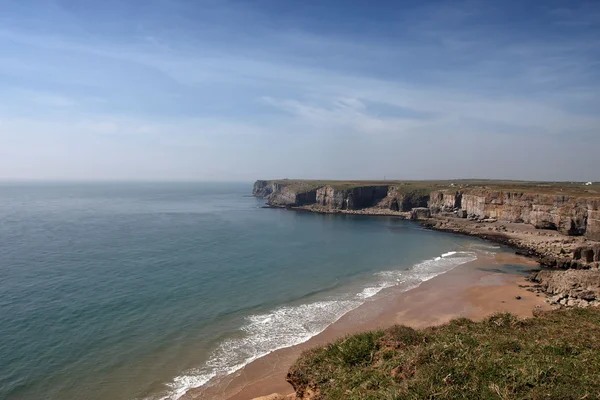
x=555, y=355
x=558, y=188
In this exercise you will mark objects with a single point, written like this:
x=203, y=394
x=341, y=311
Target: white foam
x=265, y=333
x=428, y=269
x=372, y=291
x=450, y=253
x=292, y=325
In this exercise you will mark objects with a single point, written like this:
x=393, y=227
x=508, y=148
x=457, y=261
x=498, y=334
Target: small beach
x=473, y=290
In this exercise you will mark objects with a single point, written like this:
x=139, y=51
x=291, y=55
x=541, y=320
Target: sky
x=232, y=90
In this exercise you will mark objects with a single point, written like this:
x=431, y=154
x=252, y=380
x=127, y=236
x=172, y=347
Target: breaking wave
x=291, y=325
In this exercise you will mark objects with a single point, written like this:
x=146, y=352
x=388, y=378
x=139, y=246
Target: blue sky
x=242, y=90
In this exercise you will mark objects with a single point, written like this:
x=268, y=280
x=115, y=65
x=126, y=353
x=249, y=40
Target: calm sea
x=142, y=290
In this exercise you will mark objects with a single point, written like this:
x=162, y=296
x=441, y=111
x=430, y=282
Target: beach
x=473, y=290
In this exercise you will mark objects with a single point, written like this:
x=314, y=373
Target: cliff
x=570, y=215
x=341, y=196
x=285, y=194
x=575, y=213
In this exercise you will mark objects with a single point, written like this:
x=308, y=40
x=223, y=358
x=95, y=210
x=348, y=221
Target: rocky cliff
x=350, y=199
x=263, y=188
x=569, y=215
x=541, y=207
x=285, y=195
x=340, y=198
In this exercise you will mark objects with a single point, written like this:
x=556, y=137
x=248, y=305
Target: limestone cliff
x=569, y=215
x=263, y=188
x=333, y=198
x=280, y=194
x=400, y=199
x=352, y=198
x=573, y=215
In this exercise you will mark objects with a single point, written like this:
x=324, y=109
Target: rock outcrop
x=420, y=213
x=445, y=200
x=579, y=288
x=354, y=198
x=283, y=195
x=267, y=188
x=592, y=230
x=573, y=216
x=288, y=197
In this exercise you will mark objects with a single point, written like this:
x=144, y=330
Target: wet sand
x=473, y=290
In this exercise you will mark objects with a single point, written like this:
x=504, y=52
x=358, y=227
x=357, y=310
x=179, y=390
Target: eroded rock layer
x=570, y=215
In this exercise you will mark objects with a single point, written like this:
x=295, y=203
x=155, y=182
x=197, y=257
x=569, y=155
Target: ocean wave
x=264, y=333
x=291, y=325
x=427, y=269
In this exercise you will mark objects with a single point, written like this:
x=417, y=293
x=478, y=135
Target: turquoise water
x=139, y=290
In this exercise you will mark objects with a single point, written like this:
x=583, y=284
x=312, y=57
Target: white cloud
x=300, y=87
x=49, y=99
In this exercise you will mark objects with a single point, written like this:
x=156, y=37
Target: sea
x=143, y=290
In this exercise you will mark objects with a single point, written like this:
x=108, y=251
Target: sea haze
x=143, y=290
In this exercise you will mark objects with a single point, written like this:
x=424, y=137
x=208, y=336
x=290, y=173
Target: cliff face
x=570, y=216
x=288, y=197
x=593, y=224
x=262, y=188
x=401, y=201
x=350, y=199
x=267, y=188
x=283, y=195
x=444, y=200
x=327, y=197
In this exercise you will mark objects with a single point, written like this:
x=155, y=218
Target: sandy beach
x=473, y=290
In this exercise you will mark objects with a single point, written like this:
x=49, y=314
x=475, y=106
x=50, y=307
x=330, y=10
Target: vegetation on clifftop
x=558, y=188
x=555, y=355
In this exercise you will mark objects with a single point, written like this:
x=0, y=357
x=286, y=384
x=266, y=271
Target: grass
x=558, y=188
x=555, y=355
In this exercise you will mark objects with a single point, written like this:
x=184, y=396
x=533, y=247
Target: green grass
x=403, y=186
x=557, y=188
x=555, y=355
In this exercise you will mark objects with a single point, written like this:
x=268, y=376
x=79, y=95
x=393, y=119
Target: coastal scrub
x=554, y=355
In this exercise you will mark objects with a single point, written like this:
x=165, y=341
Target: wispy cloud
x=48, y=99
x=253, y=78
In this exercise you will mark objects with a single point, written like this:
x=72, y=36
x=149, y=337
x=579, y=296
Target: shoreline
x=519, y=236
x=473, y=290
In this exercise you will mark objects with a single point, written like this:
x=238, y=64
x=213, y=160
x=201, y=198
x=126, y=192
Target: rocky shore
x=570, y=280
x=558, y=224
